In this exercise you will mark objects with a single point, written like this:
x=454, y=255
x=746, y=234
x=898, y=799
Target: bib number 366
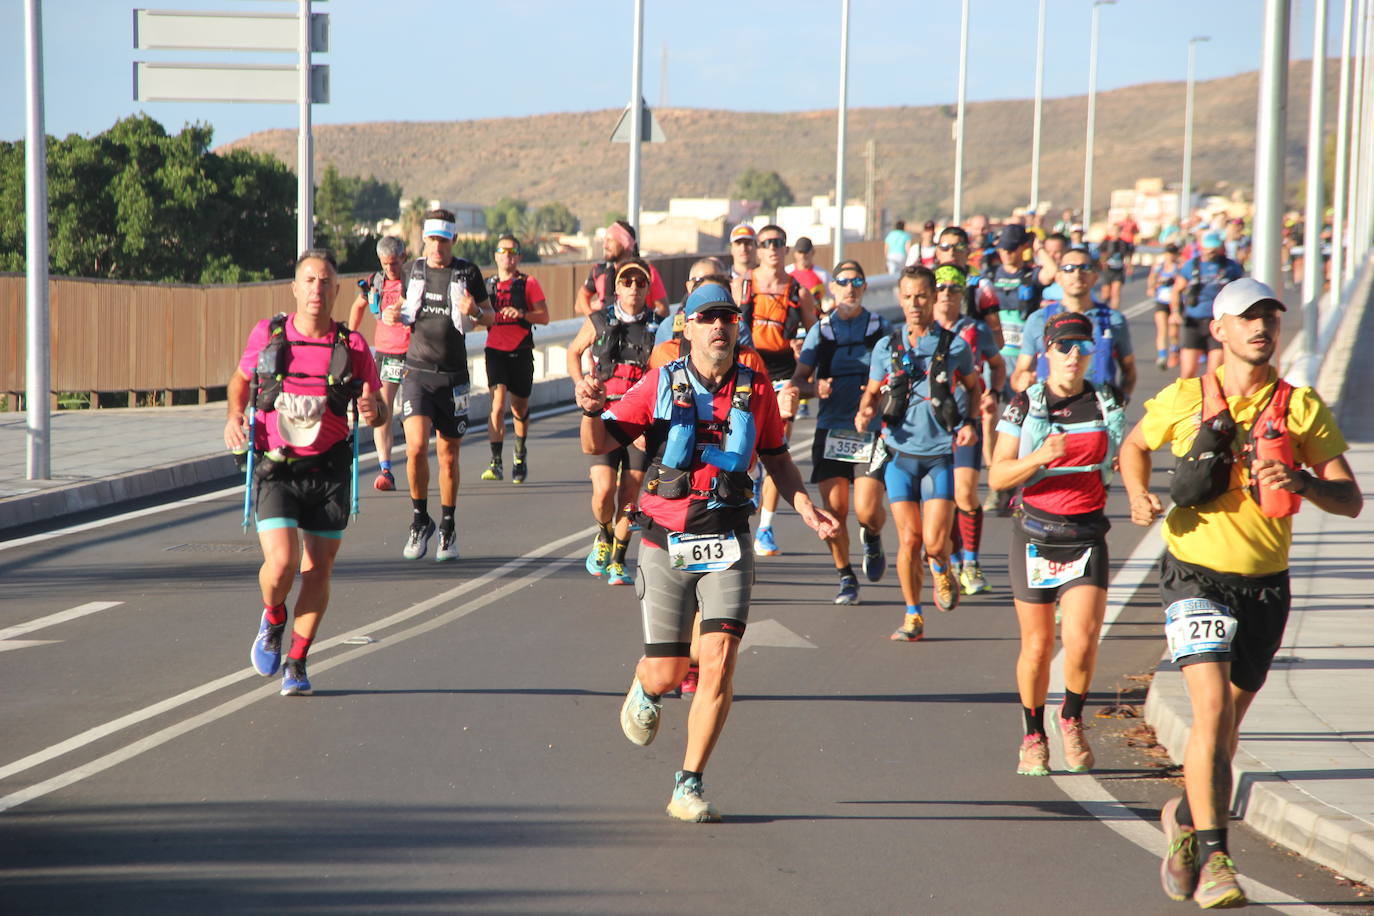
x=703, y=552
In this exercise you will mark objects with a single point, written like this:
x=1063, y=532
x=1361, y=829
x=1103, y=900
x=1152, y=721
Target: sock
x=936, y=567
x=866, y=536
x=496, y=450
x=299, y=647
x=1035, y=720
x=1184, y=814
x=971, y=531
x=276, y=616
x=419, y=508
x=519, y=448
x=913, y=609
x=1210, y=841
x=1073, y=705
x=846, y=572
x=765, y=518
x=618, y=548
x=969, y=556
x=446, y=520
x=688, y=774
x=386, y=465
x=1163, y=354
x=603, y=532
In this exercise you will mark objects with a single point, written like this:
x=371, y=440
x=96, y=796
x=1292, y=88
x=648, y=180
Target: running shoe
x=519, y=471
x=688, y=687
x=1034, y=759
x=1162, y=362
x=912, y=629
x=448, y=545
x=1078, y=756
x=849, y=590
x=294, y=682
x=385, y=481
x=493, y=471
x=804, y=409
x=266, y=651
x=998, y=501
x=598, y=558
x=946, y=590
x=1217, y=887
x=687, y=803
x=417, y=543
x=765, y=545
x=639, y=715
x=1178, y=872
x=972, y=579
x=617, y=575
x=875, y=561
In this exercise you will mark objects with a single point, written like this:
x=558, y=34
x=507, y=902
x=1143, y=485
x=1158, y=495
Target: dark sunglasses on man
x=637, y=282
x=952, y=246
x=711, y=316
x=775, y=241
x=1075, y=268
x=856, y=282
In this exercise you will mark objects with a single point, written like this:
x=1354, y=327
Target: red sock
x=276, y=616
x=971, y=529
x=300, y=645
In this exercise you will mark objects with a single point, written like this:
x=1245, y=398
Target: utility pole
x=1039, y=107
x=871, y=190
x=636, y=115
x=37, y=366
x=1314, y=272
x=840, y=140
x=959, y=119
x=1092, y=117
x=1339, y=235
x=1269, y=139
x=1185, y=197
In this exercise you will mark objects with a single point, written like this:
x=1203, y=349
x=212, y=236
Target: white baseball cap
x=1238, y=296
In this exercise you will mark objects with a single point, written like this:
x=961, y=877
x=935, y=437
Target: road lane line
x=156, y=709
x=60, y=617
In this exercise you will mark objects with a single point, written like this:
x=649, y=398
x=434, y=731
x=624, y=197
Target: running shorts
x=434, y=395
x=1259, y=604
x=912, y=478
x=512, y=368
x=316, y=502
x=1113, y=275
x=823, y=468
x=625, y=458
x=1094, y=574
x=669, y=599
x=970, y=456
x=1196, y=334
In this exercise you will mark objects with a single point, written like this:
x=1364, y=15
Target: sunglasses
x=955, y=246
x=711, y=316
x=636, y=282
x=507, y=250
x=952, y=287
x=856, y=282
x=1071, y=346
x=1075, y=268
x=696, y=281
x=774, y=242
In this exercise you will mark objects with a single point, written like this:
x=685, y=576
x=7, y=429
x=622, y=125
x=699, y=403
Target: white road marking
x=60, y=617
x=1140, y=308
x=26, y=643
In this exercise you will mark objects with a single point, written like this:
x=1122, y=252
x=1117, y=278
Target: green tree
x=506, y=215
x=556, y=217
x=334, y=211
x=767, y=188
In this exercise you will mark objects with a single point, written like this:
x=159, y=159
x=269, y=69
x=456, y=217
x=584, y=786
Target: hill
x=568, y=158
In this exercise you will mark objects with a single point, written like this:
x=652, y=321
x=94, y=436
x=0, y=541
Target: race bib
x=848, y=445
x=391, y=370
x=1045, y=573
x=703, y=552
x=1011, y=336
x=1194, y=626
x=460, y=400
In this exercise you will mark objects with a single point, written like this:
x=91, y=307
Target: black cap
x=803, y=245
x=1012, y=238
x=1068, y=326
x=849, y=265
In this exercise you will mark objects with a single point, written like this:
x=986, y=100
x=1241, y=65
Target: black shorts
x=316, y=502
x=627, y=458
x=512, y=368
x=438, y=396
x=1164, y=307
x=1095, y=573
x=1196, y=334
x=1112, y=275
x=823, y=468
x=1258, y=603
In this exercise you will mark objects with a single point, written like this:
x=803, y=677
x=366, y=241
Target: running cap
x=804, y=245
x=1068, y=326
x=743, y=231
x=849, y=264
x=1012, y=238
x=1212, y=240
x=708, y=296
x=634, y=265
x=930, y=224
x=442, y=228
x=1238, y=296
x=951, y=273
x=298, y=418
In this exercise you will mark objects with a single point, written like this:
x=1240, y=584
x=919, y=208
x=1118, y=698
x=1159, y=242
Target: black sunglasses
x=773, y=242
x=1075, y=268
x=952, y=287
x=856, y=282
x=1068, y=346
x=952, y=246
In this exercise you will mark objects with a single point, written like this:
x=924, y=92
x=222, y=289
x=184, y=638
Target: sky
x=419, y=60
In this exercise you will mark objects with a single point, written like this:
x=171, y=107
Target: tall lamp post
x=1092, y=116
x=1314, y=271
x=839, y=142
x=1338, y=232
x=959, y=119
x=1185, y=195
x=1039, y=105
x=1271, y=126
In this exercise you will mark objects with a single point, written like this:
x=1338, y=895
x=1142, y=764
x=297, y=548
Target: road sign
x=189, y=30
x=652, y=132
x=170, y=82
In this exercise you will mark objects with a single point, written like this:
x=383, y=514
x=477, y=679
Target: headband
x=440, y=227
x=621, y=235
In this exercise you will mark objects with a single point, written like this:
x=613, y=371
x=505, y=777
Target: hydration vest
x=1103, y=367
x=516, y=294
x=620, y=349
x=677, y=404
x=1164, y=284
x=1111, y=418
x=374, y=291
x=773, y=318
x=901, y=382
x=415, y=290
x=825, y=352
x=274, y=367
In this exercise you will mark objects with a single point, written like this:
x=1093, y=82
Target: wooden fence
x=119, y=336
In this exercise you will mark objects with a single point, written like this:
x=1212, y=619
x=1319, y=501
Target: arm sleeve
x=986, y=345
x=880, y=360
x=1033, y=335
x=1163, y=411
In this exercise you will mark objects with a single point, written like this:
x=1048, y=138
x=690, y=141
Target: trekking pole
x=354, y=508
x=252, y=448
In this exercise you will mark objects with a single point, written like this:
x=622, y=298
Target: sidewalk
x=1304, y=774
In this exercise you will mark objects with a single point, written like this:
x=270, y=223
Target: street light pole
x=959, y=119
x=1364, y=211
x=305, y=141
x=1039, y=105
x=1357, y=142
x=1185, y=197
x=636, y=115
x=1092, y=117
x=839, y=142
x=1314, y=272
x=37, y=370
x=1269, y=137
x=1338, y=230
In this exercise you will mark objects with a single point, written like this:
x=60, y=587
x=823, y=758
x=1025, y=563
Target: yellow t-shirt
x=1230, y=533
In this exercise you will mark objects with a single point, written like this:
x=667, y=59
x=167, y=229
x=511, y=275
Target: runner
x=922, y=250
x=1057, y=440
x=816, y=280
x=1113, y=255
x=620, y=340
x=1224, y=576
x=519, y=305
x=1159, y=284
x=897, y=242
x=619, y=245
x=445, y=298
x=744, y=250
x=695, y=512
x=302, y=456
x=384, y=288
x=950, y=282
x=1128, y=231
x=775, y=307
x=1196, y=285
x=912, y=377
x=836, y=354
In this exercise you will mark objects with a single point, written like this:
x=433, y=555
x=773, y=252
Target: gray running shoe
x=639, y=715
x=1217, y=887
x=417, y=542
x=687, y=803
x=1178, y=871
x=448, y=546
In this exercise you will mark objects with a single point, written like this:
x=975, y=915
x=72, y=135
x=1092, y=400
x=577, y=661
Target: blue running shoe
x=765, y=545
x=688, y=803
x=616, y=574
x=294, y=682
x=266, y=652
x=599, y=557
x=875, y=560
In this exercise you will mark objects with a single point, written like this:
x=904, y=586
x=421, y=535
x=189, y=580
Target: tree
x=334, y=211
x=767, y=188
x=506, y=215
x=556, y=217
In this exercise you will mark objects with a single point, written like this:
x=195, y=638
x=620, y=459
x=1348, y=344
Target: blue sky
x=456, y=60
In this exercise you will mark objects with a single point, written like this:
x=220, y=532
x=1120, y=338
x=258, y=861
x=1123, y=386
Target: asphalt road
x=463, y=752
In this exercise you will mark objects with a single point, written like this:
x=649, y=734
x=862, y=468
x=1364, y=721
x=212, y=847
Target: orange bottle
x=1269, y=439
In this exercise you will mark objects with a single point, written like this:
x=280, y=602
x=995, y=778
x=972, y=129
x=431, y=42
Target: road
x=462, y=750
